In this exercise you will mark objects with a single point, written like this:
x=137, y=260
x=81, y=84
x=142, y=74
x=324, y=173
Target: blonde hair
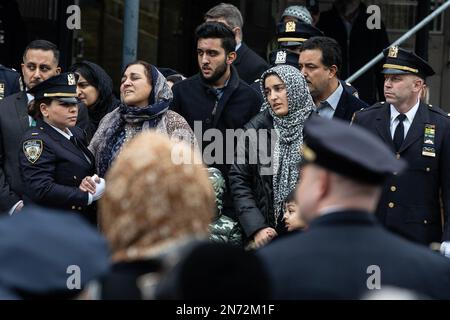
x=151, y=202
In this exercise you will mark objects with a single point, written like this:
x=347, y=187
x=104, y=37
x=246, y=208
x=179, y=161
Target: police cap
x=62, y=87
x=294, y=33
x=401, y=61
x=348, y=150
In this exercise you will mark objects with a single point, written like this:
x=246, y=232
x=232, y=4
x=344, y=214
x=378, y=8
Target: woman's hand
x=88, y=184
x=264, y=236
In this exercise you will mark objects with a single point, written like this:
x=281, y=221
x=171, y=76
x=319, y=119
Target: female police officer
x=55, y=163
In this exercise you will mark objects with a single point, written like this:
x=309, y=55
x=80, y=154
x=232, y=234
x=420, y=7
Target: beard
x=217, y=74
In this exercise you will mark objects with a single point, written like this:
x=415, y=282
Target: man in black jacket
x=320, y=62
x=345, y=253
x=248, y=63
x=216, y=98
x=40, y=62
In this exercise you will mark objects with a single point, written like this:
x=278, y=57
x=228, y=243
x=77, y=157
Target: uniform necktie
x=74, y=141
x=80, y=146
x=399, y=134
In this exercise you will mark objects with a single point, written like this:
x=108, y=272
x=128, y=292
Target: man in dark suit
x=412, y=203
x=320, y=62
x=248, y=63
x=345, y=253
x=40, y=62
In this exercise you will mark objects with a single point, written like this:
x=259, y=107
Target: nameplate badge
x=429, y=149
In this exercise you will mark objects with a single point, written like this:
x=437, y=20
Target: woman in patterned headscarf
x=145, y=96
x=276, y=134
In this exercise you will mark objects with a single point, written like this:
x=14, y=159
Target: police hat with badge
x=62, y=87
x=401, y=61
x=293, y=34
x=363, y=157
x=283, y=56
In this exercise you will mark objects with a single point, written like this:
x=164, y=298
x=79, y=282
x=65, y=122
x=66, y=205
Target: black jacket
x=249, y=64
x=251, y=190
x=342, y=252
x=194, y=100
x=411, y=202
x=362, y=45
x=13, y=124
x=348, y=104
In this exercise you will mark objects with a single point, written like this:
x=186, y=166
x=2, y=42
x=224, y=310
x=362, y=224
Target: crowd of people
x=250, y=179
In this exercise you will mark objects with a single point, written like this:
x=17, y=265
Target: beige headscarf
x=151, y=203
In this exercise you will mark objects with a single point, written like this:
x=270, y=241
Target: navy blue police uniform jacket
x=416, y=203
x=53, y=167
x=342, y=253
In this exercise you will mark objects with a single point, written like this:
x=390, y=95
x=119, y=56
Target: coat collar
x=233, y=84
x=21, y=105
x=346, y=217
x=63, y=141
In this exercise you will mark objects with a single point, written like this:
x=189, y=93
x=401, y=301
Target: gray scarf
x=287, y=153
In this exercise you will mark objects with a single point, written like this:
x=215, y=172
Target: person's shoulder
x=355, y=101
x=34, y=136
x=283, y=246
x=13, y=97
x=263, y=120
x=188, y=82
x=245, y=88
x=373, y=108
x=174, y=117
x=437, y=111
x=9, y=71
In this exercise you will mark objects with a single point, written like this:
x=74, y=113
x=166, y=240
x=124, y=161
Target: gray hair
x=228, y=12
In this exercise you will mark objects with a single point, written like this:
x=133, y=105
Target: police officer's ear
x=44, y=110
x=231, y=57
x=333, y=71
x=58, y=70
x=419, y=84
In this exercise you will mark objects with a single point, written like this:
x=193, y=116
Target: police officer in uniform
x=10, y=82
x=290, y=37
x=56, y=165
x=412, y=202
x=344, y=247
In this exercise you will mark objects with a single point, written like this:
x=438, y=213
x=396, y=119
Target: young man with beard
x=216, y=98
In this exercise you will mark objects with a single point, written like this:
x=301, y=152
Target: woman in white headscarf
x=259, y=189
